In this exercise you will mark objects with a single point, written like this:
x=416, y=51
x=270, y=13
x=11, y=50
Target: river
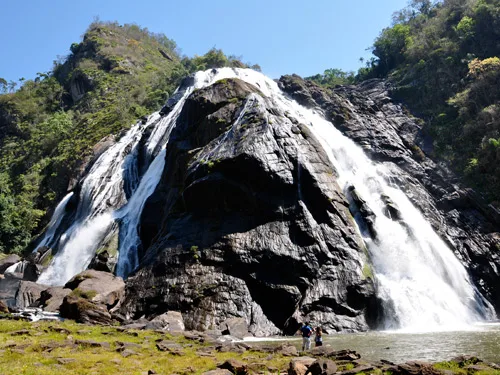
x=482, y=341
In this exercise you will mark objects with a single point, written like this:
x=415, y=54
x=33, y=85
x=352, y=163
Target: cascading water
x=55, y=221
x=103, y=197
x=418, y=277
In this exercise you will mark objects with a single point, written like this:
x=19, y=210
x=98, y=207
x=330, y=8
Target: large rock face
x=248, y=222
x=367, y=115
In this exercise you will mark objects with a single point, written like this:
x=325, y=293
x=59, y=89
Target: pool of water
x=482, y=341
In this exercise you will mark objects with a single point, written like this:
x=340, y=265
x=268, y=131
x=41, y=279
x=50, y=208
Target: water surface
x=482, y=341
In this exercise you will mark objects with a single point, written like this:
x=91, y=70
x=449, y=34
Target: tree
x=3, y=85
x=12, y=86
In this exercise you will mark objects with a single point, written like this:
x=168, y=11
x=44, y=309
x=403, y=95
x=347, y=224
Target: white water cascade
x=417, y=275
x=54, y=222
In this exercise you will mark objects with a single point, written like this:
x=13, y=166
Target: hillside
x=443, y=62
x=50, y=125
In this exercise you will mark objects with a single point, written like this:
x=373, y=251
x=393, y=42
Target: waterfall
x=418, y=277
x=113, y=192
x=54, y=222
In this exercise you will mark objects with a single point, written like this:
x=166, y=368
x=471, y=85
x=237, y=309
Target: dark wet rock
x=9, y=285
x=236, y=199
x=322, y=367
x=101, y=262
x=8, y=261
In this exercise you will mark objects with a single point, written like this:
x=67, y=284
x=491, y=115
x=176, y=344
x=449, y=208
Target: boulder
x=84, y=311
x=168, y=346
x=8, y=261
x=236, y=327
x=29, y=294
x=170, y=321
x=52, y=298
x=322, y=367
x=9, y=285
x=414, y=368
x=236, y=367
x=106, y=288
x=287, y=350
x=336, y=355
x=299, y=365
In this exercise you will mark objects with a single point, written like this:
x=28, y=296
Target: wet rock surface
x=366, y=114
x=248, y=222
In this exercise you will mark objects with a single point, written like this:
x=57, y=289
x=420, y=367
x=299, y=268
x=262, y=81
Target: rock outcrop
x=248, y=222
x=93, y=295
x=387, y=133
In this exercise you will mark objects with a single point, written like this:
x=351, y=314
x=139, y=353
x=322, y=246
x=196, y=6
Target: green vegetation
x=48, y=127
x=88, y=294
x=443, y=59
x=47, y=349
x=333, y=77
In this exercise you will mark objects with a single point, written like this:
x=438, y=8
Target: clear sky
x=283, y=36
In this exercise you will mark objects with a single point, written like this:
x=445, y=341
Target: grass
x=28, y=356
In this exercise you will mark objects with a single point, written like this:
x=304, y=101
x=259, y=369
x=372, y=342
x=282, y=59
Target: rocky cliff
x=248, y=220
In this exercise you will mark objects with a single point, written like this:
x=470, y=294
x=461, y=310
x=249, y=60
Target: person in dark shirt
x=306, y=331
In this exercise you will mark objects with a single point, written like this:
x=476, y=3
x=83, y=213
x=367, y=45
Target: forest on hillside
x=443, y=61
x=49, y=125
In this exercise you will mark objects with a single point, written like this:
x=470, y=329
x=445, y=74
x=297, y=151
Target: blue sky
x=283, y=36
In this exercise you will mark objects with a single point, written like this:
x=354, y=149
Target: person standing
x=306, y=336
x=318, y=339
